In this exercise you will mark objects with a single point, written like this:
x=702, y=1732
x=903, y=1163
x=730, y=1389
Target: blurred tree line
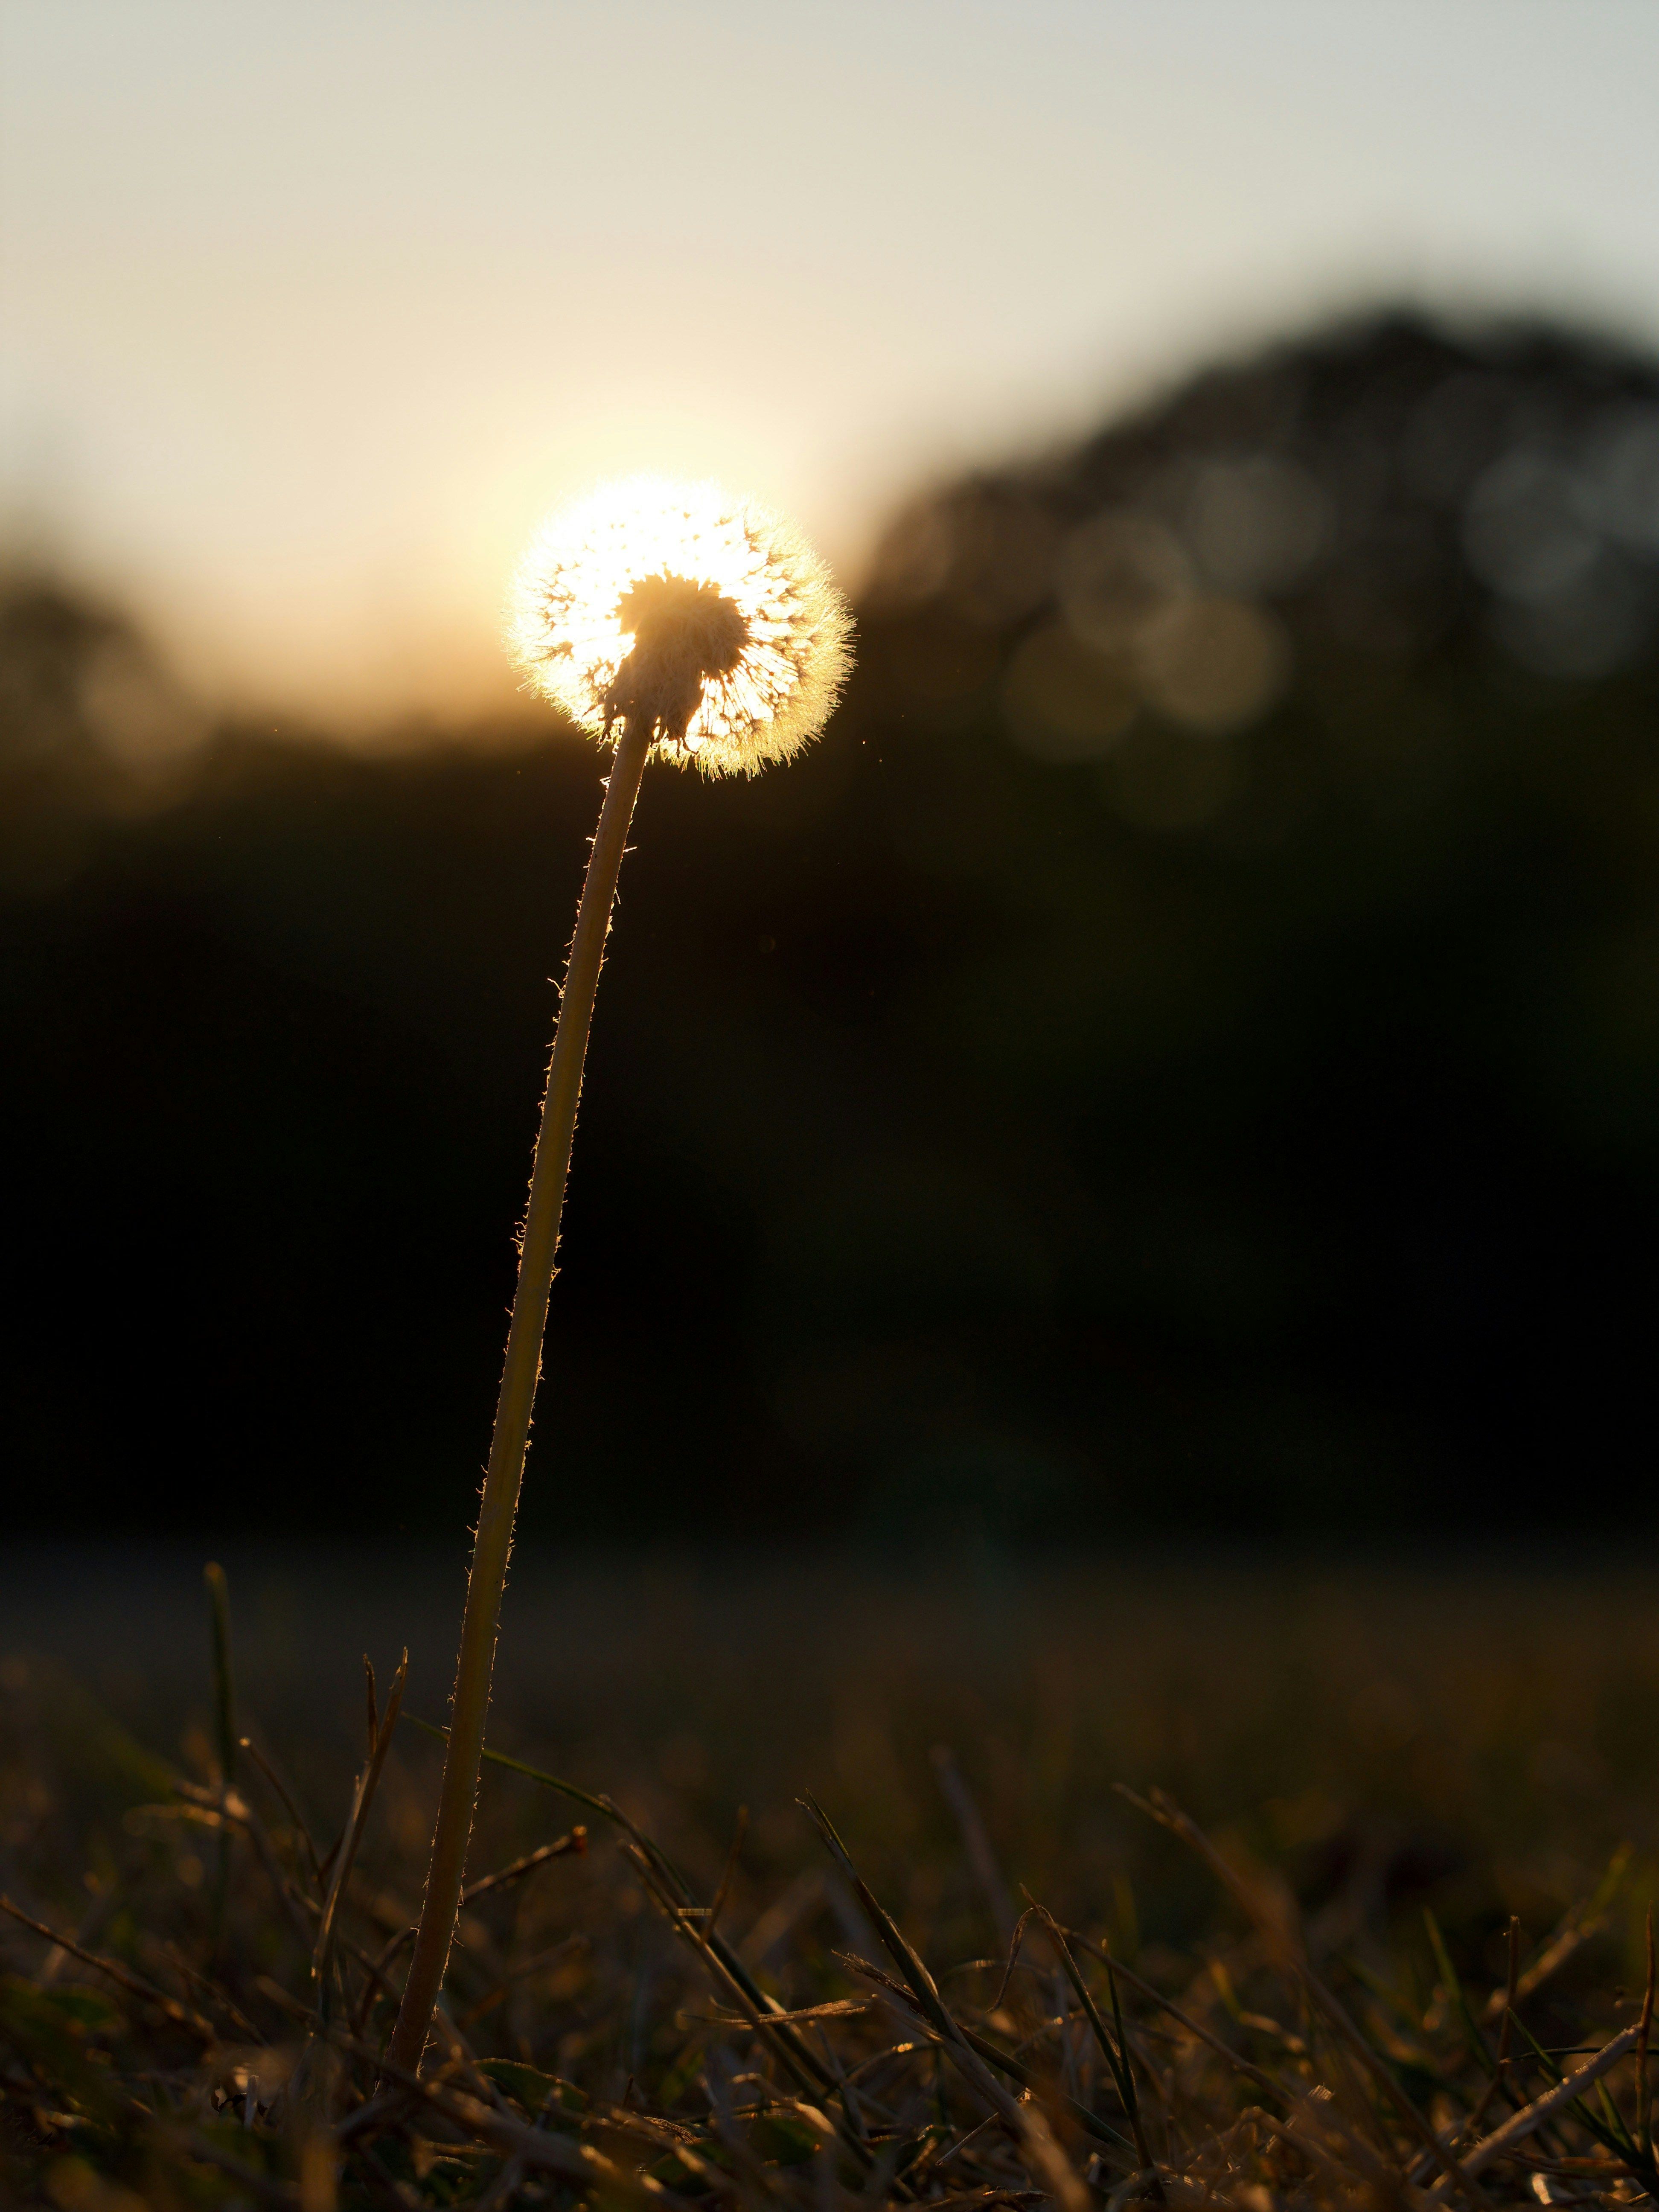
x=1180, y=1058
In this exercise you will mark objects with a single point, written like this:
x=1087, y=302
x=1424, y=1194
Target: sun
x=679, y=602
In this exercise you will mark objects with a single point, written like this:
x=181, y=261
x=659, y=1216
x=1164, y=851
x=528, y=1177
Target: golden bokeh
x=1214, y=664
x=1064, y=701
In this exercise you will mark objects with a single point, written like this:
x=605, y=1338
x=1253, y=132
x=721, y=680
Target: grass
x=1359, y=1808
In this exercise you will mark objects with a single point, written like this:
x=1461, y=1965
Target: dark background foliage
x=1091, y=1094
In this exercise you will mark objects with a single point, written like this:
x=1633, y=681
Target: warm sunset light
x=702, y=609
x=1049, y=1315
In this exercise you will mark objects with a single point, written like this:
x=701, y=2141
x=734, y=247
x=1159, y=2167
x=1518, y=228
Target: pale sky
x=311, y=307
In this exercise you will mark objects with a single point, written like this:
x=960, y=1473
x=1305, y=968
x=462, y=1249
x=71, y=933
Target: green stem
x=520, y=1373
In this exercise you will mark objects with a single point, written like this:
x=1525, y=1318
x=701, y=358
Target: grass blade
x=224, y=1731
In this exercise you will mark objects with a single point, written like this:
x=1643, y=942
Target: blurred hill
x=1180, y=1057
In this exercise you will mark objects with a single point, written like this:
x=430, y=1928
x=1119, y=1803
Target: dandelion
x=666, y=619
x=706, y=612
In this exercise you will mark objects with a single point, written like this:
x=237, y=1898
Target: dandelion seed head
x=675, y=601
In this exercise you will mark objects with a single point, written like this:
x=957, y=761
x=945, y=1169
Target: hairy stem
x=520, y=1373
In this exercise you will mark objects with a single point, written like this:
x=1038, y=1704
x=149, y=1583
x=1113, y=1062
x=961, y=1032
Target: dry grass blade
x=924, y=1989
x=1257, y=1908
x=680, y=2142
x=1584, y=1921
x=720, y=1895
x=1272, y=1924
x=576, y=1841
x=1040, y=2146
x=293, y=1903
x=123, y=1976
x=673, y=1892
x=224, y=1682
x=1052, y=2167
x=1337, y=2015
x=1021, y=2116
x=976, y=1842
x=1115, y=2053
x=981, y=2047
x=1499, y=2079
x=1643, y=2082
x=1194, y=2028
x=981, y=2200
x=284, y=1796
x=763, y=2018
x=1030, y=2081
x=1348, y=2164
x=1532, y=2117
x=205, y=1986
x=949, y=2036
x=538, y=2148
x=591, y=1799
x=746, y=2165
x=224, y=1716
x=836, y=2008
x=346, y=1852
x=1015, y=1940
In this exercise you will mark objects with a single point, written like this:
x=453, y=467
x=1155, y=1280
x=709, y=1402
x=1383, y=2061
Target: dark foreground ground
x=1367, y=1745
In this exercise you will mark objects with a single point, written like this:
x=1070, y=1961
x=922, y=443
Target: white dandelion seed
x=705, y=614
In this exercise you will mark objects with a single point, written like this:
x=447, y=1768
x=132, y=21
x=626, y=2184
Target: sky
x=308, y=310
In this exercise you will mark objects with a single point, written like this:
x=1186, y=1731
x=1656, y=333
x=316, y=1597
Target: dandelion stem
x=520, y=1373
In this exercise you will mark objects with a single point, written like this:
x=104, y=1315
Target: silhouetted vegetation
x=1182, y=1054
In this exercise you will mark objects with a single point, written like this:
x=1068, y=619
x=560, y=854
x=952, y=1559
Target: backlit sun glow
x=678, y=600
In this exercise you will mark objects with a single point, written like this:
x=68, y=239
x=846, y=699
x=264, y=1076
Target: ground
x=1353, y=1780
